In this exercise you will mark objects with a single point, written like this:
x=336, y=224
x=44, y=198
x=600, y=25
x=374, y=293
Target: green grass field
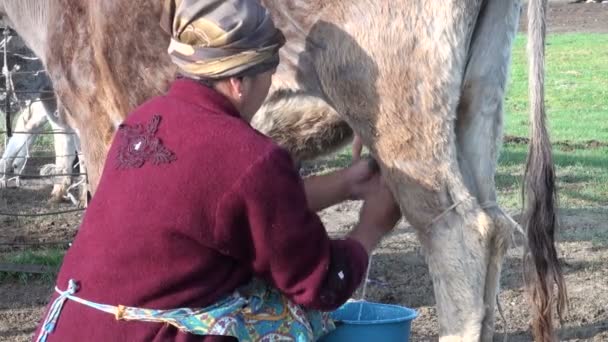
x=51, y=258
x=576, y=88
x=577, y=108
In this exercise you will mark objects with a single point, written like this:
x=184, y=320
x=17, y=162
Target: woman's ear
x=236, y=87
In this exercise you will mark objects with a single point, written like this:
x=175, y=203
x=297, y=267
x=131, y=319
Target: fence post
x=8, y=88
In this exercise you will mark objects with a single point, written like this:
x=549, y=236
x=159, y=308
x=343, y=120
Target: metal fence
x=13, y=102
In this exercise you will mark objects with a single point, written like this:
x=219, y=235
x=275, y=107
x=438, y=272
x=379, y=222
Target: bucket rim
x=411, y=314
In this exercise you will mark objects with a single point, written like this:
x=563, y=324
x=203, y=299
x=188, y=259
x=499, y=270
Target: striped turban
x=214, y=39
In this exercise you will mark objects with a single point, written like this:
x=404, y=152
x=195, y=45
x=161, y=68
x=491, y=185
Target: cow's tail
x=543, y=272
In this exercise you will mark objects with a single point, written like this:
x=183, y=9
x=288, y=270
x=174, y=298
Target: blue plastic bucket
x=378, y=322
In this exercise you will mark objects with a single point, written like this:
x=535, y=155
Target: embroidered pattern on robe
x=140, y=145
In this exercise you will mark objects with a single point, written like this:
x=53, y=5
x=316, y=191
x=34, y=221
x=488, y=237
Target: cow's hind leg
x=479, y=130
x=65, y=155
x=399, y=88
x=29, y=122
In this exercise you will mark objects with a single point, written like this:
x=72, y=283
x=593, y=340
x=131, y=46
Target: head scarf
x=214, y=39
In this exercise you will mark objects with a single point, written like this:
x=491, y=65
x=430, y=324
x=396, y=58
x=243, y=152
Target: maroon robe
x=192, y=203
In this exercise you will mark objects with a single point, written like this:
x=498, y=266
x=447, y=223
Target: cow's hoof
x=56, y=198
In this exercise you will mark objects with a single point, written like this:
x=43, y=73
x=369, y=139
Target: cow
x=421, y=82
x=31, y=122
x=29, y=89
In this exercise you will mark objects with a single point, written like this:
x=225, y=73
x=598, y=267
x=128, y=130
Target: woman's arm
x=264, y=220
x=323, y=191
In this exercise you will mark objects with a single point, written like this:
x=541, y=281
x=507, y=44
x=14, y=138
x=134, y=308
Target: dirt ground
x=565, y=16
x=398, y=272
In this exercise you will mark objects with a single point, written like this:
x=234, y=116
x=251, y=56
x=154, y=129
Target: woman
x=201, y=228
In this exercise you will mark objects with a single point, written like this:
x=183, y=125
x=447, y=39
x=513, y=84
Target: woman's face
x=253, y=93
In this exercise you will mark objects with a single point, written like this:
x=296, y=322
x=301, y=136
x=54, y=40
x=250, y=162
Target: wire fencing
x=28, y=113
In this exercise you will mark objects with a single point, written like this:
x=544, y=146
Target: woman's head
x=232, y=44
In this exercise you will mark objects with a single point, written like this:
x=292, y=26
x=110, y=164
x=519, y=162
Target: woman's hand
x=359, y=181
x=379, y=213
x=379, y=210
x=359, y=176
